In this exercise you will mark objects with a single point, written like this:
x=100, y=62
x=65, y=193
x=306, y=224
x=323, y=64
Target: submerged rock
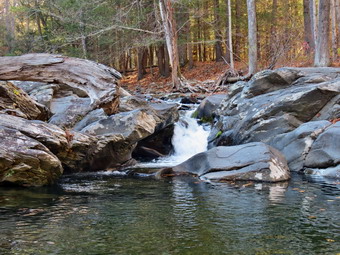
x=249, y=162
x=25, y=161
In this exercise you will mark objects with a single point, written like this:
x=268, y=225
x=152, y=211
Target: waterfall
x=189, y=139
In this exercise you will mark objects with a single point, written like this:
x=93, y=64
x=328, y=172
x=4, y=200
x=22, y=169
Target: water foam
x=189, y=139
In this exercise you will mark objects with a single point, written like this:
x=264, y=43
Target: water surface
x=105, y=214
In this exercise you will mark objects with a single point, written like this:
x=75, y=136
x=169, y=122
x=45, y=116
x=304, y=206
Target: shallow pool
x=105, y=214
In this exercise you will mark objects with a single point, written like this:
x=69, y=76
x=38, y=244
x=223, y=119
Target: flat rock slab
x=249, y=162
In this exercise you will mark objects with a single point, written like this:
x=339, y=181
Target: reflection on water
x=103, y=214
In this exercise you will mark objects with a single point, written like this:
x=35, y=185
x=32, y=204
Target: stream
x=112, y=213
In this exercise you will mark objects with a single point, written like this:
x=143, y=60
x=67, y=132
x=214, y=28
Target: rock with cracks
x=14, y=101
x=25, y=161
x=249, y=162
x=96, y=80
x=300, y=95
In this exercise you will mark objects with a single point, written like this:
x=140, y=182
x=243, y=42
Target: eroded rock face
x=117, y=136
x=296, y=145
x=73, y=149
x=25, y=161
x=67, y=111
x=14, y=101
x=324, y=155
x=248, y=162
x=298, y=97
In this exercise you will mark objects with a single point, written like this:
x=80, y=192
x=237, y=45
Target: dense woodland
x=138, y=35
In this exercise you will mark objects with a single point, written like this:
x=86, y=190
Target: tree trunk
x=217, y=31
x=166, y=62
x=227, y=33
x=334, y=34
x=141, y=57
x=322, y=57
x=10, y=27
x=238, y=35
x=169, y=24
x=160, y=60
x=230, y=36
x=308, y=25
x=337, y=8
x=313, y=6
x=99, y=82
x=252, y=37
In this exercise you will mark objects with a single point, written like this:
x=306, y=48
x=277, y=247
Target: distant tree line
x=167, y=34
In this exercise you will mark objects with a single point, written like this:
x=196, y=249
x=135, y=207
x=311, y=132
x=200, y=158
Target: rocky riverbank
x=280, y=121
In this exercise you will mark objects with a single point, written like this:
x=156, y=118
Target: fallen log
x=98, y=81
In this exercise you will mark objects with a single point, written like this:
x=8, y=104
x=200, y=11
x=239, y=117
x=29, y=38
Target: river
x=107, y=213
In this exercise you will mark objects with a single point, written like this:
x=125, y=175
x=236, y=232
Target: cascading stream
x=189, y=139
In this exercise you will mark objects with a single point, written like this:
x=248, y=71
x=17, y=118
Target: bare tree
x=322, y=57
x=252, y=37
x=308, y=24
x=10, y=26
x=170, y=31
x=218, y=36
x=334, y=34
x=230, y=36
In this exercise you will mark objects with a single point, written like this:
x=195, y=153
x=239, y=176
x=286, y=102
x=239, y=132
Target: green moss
x=207, y=119
x=16, y=92
x=219, y=133
x=9, y=173
x=194, y=115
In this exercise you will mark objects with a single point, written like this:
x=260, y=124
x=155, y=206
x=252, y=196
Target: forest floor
x=203, y=73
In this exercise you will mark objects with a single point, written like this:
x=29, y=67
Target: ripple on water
x=106, y=214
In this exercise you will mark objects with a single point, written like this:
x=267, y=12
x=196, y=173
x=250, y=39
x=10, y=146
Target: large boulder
x=73, y=149
x=324, y=155
x=254, y=117
x=117, y=136
x=297, y=144
x=249, y=162
x=25, y=161
x=15, y=101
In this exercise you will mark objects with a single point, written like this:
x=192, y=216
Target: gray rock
x=207, y=107
x=40, y=92
x=296, y=145
x=25, y=161
x=325, y=151
x=166, y=114
x=249, y=162
x=262, y=117
x=131, y=103
x=67, y=111
x=91, y=117
x=330, y=172
x=117, y=136
x=268, y=80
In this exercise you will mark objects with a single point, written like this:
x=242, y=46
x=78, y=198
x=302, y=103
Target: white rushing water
x=189, y=139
